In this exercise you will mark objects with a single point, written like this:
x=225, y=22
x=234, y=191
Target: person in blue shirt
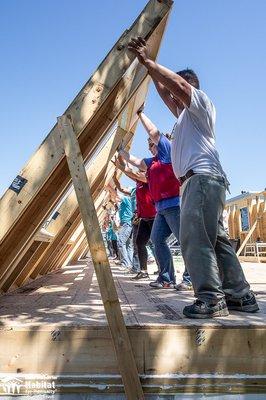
x=111, y=236
x=131, y=191
x=124, y=234
x=164, y=188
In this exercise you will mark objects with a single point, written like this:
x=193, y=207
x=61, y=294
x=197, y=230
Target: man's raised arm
x=177, y=86
x=137, y=162
x=149, y=126
x=172, y=103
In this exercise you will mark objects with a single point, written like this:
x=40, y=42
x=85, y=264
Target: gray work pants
x=209, y=257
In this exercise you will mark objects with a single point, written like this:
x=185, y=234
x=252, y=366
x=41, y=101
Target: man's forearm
x=135, y=176
x=148, y=124
x=177, y=86
x=133, y=160
x=170, y=80
x=150, y=128
x=119, y=187
x=111, y=190
x=166, y=97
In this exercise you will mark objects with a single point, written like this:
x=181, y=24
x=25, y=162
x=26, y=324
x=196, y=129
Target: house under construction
x=68, y=319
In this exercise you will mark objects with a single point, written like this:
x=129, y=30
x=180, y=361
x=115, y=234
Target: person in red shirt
x=164, y=189
x=145, y=213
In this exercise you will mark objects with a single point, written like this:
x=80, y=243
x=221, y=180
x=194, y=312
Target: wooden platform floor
x=70, y=297
x=55, y=328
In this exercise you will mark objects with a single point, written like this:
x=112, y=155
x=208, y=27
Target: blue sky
x=50, y=48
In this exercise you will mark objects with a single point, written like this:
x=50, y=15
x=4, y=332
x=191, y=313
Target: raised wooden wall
x=108, y=102
x=256, y=204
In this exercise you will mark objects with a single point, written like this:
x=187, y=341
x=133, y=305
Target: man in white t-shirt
x=216, y=274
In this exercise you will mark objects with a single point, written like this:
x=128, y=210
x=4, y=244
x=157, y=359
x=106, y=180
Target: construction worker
x=145, y=214
x=217, y=276
x=124, y=233
x=131, y=191
x=164, y=189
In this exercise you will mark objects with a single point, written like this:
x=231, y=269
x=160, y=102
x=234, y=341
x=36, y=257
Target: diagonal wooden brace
x=122, y=345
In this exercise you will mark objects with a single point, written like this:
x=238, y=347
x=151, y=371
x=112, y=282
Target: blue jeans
x=166, y=222
x=125, y=245
x=211, y=260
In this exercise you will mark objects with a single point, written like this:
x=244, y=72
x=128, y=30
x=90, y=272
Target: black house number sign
x=18, y=183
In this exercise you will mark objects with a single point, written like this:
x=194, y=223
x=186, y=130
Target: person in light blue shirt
x=125, y=244
x=130, y=244
x=111, y=236
x=125, y=210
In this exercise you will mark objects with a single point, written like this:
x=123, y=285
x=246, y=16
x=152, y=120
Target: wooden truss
x=107, y=103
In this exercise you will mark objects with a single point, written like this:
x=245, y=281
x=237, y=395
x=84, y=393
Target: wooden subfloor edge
x=161, y=384
x=148, y=327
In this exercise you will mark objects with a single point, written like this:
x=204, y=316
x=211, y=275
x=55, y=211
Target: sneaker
x=131, y=271
x=183, y=287
x=123, y=268
x=140, y=275
x=248, y=303
x=200, y=309
x=161, y=285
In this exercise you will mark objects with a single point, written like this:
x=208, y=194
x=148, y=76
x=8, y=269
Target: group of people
x=127, y=221
x=181, y=190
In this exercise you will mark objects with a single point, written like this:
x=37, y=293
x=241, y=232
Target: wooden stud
x=126, y=362
x=22, y=277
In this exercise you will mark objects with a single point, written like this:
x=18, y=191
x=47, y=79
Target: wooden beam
x=126, y=361
x=77, y=250
x=237, y=355
x=63, y=225
x=43, y=236
x=59, y=260
x=252, y=229
x=23, y=275
x=69, y=216
x=126, y=119
x=56, y=247
x=93, y=111
x=28, y=256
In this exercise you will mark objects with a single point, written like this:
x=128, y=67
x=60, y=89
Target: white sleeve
x=202, y=112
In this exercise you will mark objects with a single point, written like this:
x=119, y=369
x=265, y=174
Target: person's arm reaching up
x=119, y=187
x=134, y=175
x=149, y=126
x=137, y=162
x=176, y=85
x=173, y=104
